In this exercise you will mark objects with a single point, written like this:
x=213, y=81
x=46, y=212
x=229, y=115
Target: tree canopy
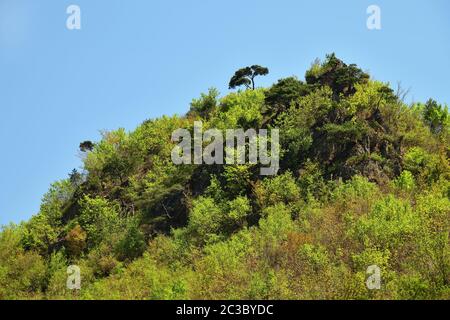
x=246, y=76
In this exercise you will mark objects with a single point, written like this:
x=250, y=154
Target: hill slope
x=363, y=181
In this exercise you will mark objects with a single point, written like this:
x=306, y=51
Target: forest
x=363, y=180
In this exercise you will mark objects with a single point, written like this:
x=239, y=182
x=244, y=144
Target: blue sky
x=139, y=59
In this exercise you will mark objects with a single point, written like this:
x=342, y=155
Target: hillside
x=363, y=180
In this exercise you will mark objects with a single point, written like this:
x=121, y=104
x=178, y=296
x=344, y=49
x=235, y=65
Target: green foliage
x=22, y=273
x=370, y=94
x=277, y=223
x=238, y=211
x=280, y=189
x=405, y=181
x=341, y=78
x=426, y=167
x=220, y=271
x=416, y=160
x=144, y=279
x=205, y=105
x=99, y=218
x=133, y=244
x=437, y=117
x=371, y=256
x=357, y=187
x=240, y=110
x=390, y=224
x=237, y=179
x=42, y=231
x=282, y=94
x=311, y=181
x=39, y=234
x=57, y=277
x=364, y=180
x=205, y=220
x=316, y=257
x=76, y=241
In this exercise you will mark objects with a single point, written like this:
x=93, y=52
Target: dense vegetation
x=364, y=180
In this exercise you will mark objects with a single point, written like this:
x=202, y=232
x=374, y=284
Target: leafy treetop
x=246, y=76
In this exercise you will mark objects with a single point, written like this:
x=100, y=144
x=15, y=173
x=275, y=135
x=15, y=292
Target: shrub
x=133, y=244
x=75, y=241
x=99, y=218
x=238, y=210
x=205, y=220
x=280, y=189
x=390, y=224
x=405, y=182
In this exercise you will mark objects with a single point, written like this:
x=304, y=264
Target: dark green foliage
x=280, y=96
x=86, y=146
x=246, y=76
x=337, y=75
x=133, y=244
x=75, y=178
x=436, y=116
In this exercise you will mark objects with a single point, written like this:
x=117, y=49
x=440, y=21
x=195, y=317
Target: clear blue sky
x=139, y=59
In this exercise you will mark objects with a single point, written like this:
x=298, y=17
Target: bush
x=205, y=220
x=222, y=273
x=275, y=226
x=390, y=224
x=281, y=189
x=22, y=273
x=238, y=211
x=144, y=279
x=133, y=244
x=356, y=187
x=75, y=241
x=405, y=182
x=99, y=218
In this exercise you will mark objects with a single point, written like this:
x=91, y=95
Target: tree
x=280, y=96
x=206, y=104
x=133, y=244
x=75, y=178
x=99, y=218
x=22, y=272
x=340, y=77
x=436, y=116
x=246, y=76
x=75, y=241
x=86, y=146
